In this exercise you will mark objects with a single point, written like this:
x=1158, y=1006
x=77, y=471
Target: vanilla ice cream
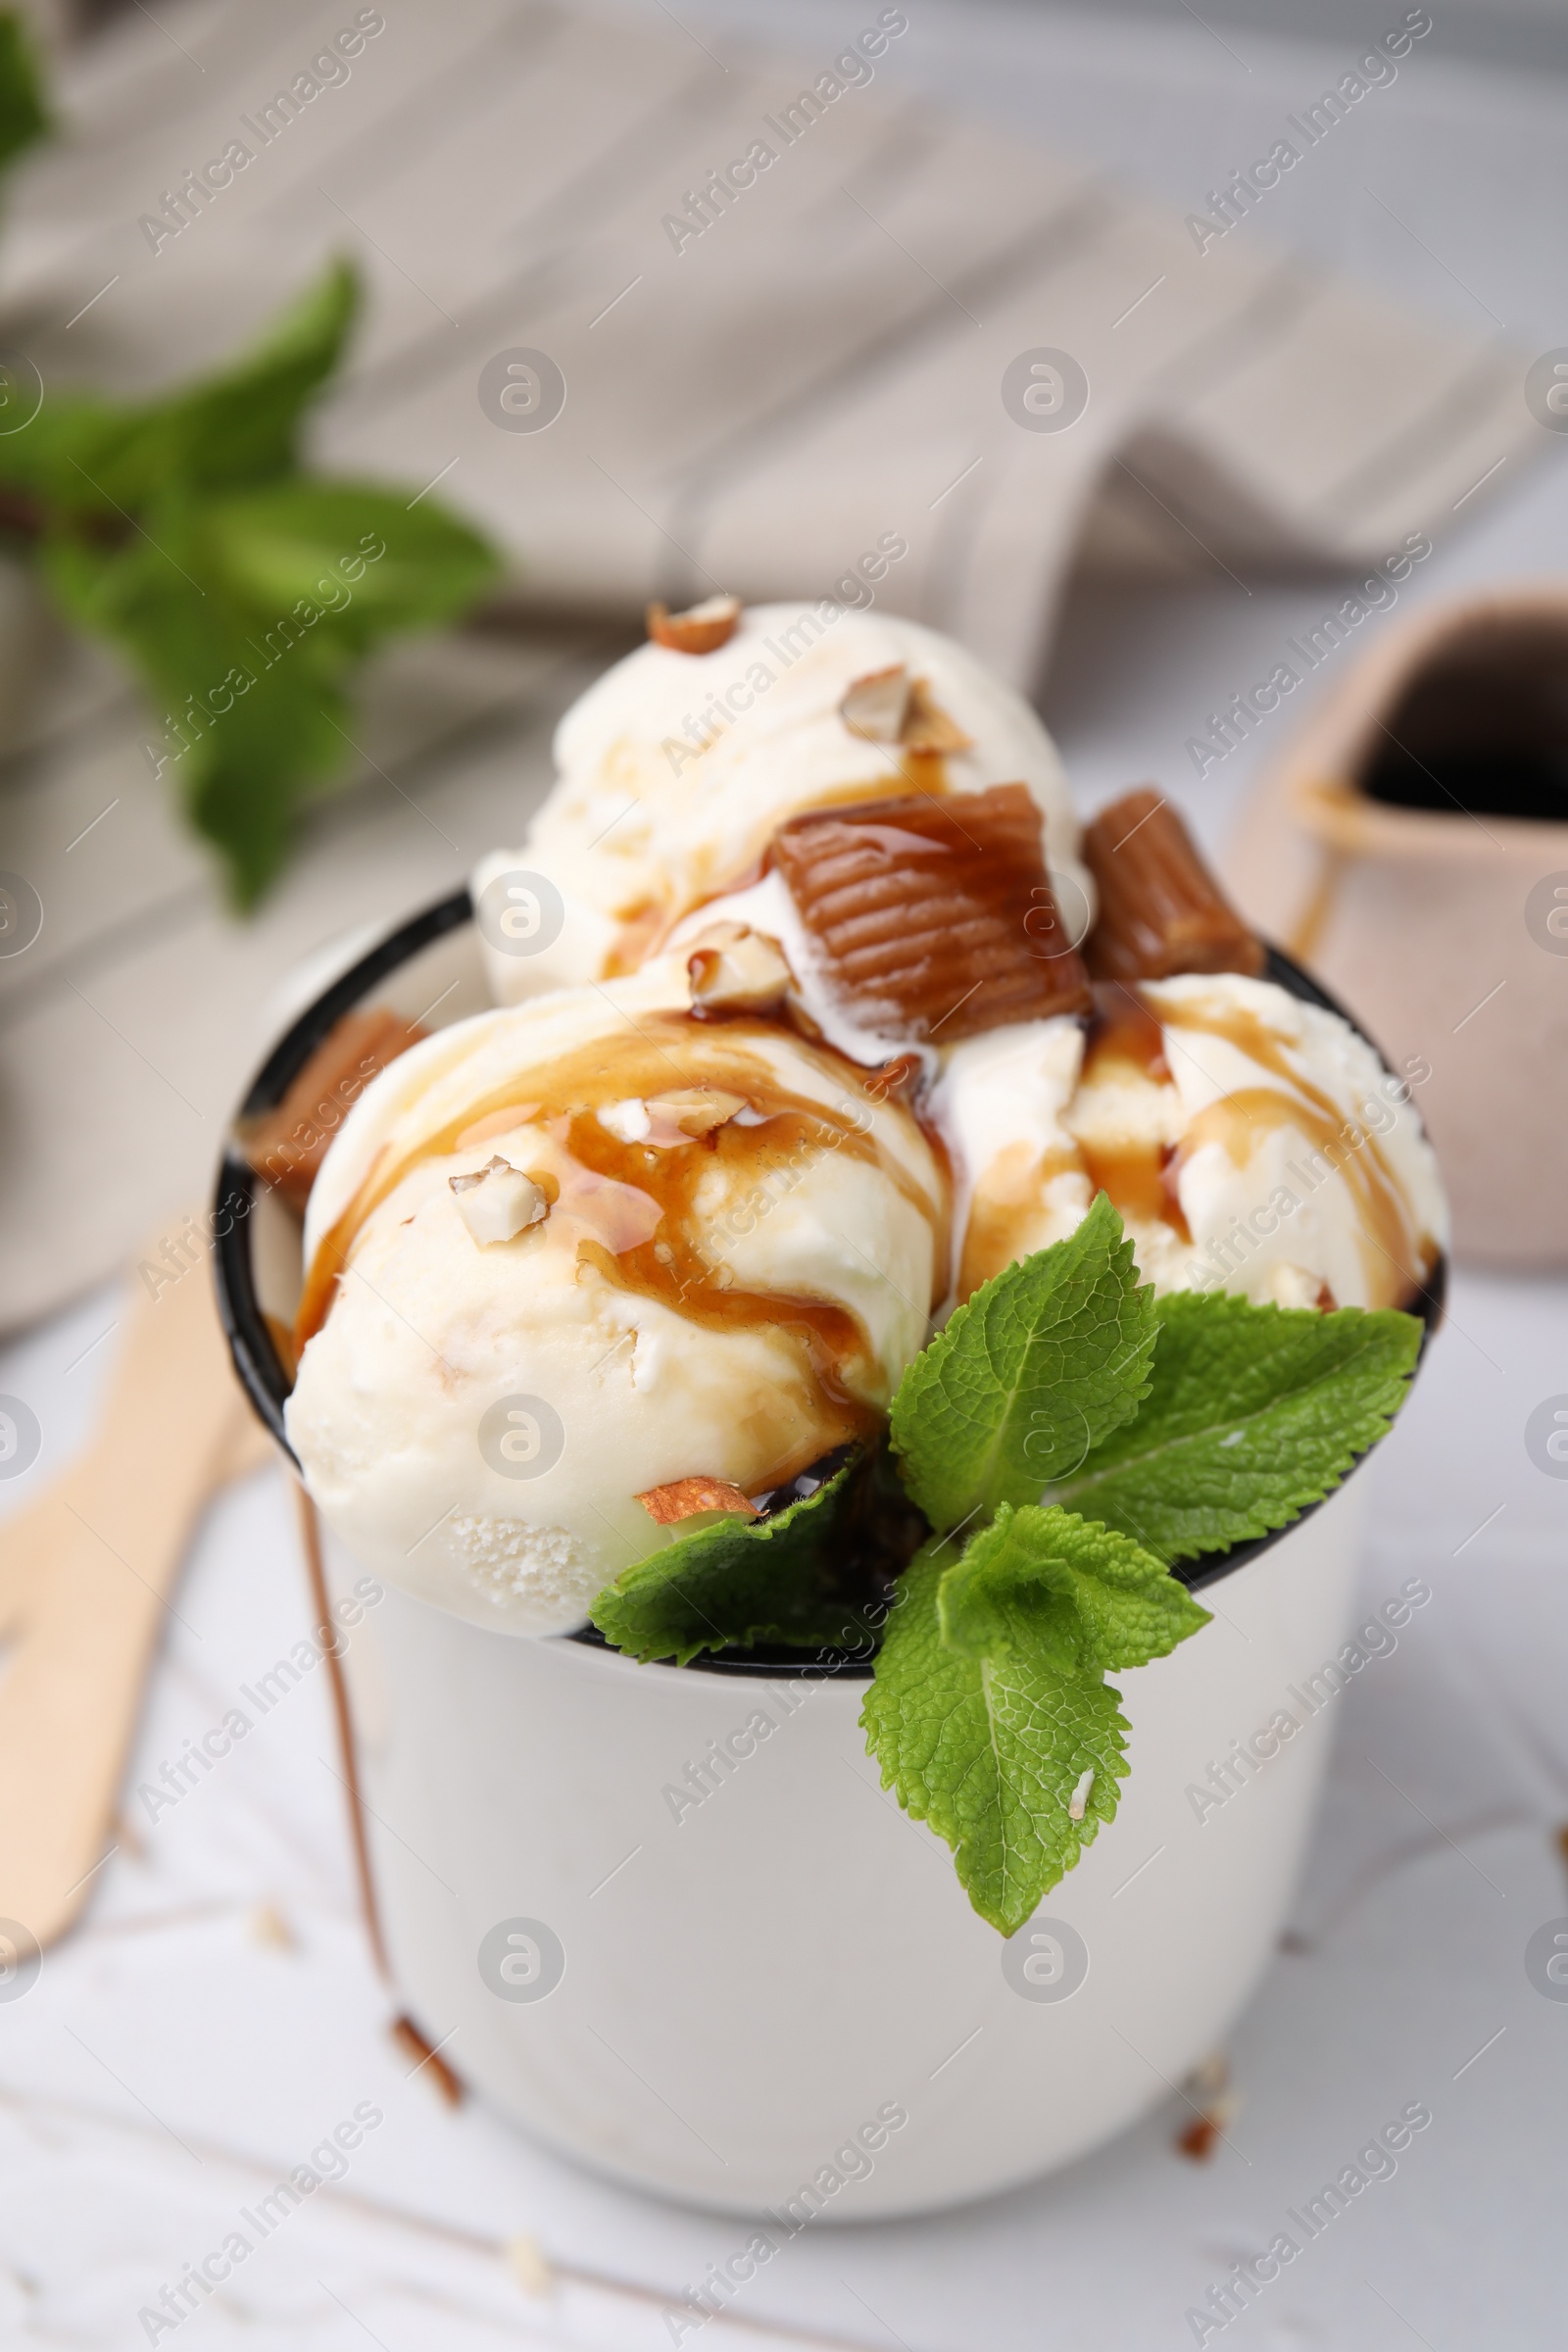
x=809, y=1029
x=571, y=1253
x=1251, y=1143
x=675, y=771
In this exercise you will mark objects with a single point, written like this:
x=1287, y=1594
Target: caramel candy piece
x=1161, y=908
x=933, y=918
x=684, y=1498
x=700, y=630
x=287, y=1144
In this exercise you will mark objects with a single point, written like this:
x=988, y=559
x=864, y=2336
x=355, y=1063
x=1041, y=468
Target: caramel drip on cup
x=286, y=1145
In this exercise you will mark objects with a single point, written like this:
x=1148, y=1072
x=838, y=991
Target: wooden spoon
x=86, y=1575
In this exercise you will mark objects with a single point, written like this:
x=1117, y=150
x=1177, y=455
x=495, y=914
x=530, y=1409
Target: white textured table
x=216, y=2014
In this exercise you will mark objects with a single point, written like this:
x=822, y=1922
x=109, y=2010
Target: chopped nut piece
x=1294, y=1286
x=269, y=1926
x=692, y=1111
x=700, y=630
x=529, y=2265
x=877, y=705
x=897, y=1078
x=929, y=915
x=887, y=706
x=286, y=1145
x=744, y=971
x=1161, y=908
x=684, y=1498
x=927, y=728
x=498, y=1201
x=627, y=1122
x=1080, y=1795
x=1213, y=2105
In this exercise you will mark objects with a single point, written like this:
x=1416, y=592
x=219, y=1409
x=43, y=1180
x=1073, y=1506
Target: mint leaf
x=738, y=1582
x=23, y=116
x=990, y=1704
x=1088, y=1595
x=1252, y=1413
x=242, y=591
x=989, y=1749
x=352, y=549
x=1037, y=1367
x=98, y=465
x=242, y=424
x=245, y=615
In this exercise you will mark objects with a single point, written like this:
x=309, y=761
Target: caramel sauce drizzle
x=1397, y=1259
x=634, y=1203
x=1139, y=1178
x=1142, y=1179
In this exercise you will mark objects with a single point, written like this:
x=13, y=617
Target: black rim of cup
x=267, y=1382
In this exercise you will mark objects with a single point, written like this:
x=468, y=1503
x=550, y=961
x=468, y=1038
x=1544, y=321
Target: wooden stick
x=316, y=1578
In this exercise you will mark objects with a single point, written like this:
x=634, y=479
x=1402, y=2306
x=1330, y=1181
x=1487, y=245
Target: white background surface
x=174, y=2059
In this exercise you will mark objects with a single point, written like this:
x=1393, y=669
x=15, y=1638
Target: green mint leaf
x=24, y=115
x=243, y=424
x=990, y=1704
x=1252, y=1413
x=1082, y=1595
x=98, y=465
x=351, y=550
x=989, y=1751
x=736, y=1582
x=245, y=615
x=1044, y=1361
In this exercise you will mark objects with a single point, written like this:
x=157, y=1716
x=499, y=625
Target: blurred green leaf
x=23, y=116
x=241, y=590
x=351, y=547
x=244, y=617
x=99, y=463
x=242, y=424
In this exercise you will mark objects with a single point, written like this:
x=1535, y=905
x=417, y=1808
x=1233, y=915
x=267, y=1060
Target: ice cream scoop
x=576, y=1252
x=676, y=769
x=1252, y=1142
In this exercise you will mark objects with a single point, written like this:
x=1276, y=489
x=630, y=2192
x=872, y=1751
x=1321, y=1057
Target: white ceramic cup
x=771, y=1994
x=727, y=1992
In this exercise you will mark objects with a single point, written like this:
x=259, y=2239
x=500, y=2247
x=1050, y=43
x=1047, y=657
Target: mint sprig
x=1201, y=1421
x=735, y=1582
x=1252, y=1413
x=1045, y=1360
x=242, y=589
x=1067, y=1437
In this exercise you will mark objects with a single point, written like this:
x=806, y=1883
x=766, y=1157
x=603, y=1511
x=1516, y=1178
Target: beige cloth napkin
x=836, y=364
